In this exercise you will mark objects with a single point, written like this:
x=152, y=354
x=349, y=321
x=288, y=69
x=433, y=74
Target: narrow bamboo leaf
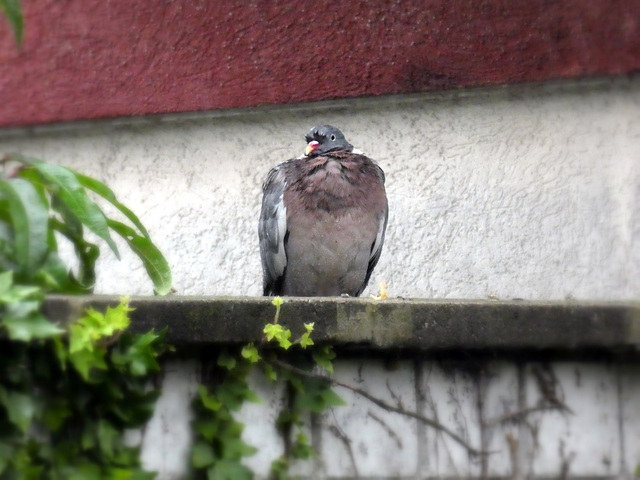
x=106, y=193
x=74, y=196
x=154, y=262
x=30, y=215
x=13, y=12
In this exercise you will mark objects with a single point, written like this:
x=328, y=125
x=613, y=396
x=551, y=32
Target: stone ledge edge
x=415, y=324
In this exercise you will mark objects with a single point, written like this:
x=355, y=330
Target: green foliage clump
x=219, y=448
x=68, y=393
x=65, y=402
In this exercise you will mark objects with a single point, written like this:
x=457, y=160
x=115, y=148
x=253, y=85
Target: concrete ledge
x=390, y=324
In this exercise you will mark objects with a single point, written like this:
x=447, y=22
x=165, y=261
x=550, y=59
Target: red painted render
x=88, y=59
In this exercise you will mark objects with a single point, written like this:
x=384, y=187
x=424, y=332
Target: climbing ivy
x=218, y=450
x=69, y=392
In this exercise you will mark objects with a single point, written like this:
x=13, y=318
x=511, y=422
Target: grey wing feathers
x=272, y=230
x=376, y=247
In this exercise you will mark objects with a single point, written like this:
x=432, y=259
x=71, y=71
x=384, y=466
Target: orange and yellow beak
x=313, y=145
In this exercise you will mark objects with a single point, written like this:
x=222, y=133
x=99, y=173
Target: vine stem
x=384, y=405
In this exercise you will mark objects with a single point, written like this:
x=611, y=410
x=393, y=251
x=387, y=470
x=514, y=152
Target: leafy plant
x=39, y=201
x=217, y=430
x=68, y=394
x=218, y=448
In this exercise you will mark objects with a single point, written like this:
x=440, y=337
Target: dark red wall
x=85, y=59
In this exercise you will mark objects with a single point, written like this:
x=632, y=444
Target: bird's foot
x=383, y=292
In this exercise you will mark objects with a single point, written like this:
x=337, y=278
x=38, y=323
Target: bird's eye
x=333, y=137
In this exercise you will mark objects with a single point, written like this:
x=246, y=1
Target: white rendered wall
x=530, y=192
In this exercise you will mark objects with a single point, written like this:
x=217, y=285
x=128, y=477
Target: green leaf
x=226, y=360
x=154, y=262
x=20, y=408
x=86, y=360
x=332, y=399
x=13, y=12
x=236, y=448
x=270, y=373
x=74, y=196
x=301, y=448
x=250, y=352
x=30, y=216
x=24, y=322
x=283, y=339
x=272, y=330
x=202, y=455
x=207, y=427
x=84, y=471
x=108, y=437
x=324, y=356
x=72, y=229
x=209, y=401
x=278, y=332
x=6, y=281
x=305, y=341
x=229, y=470
x=106, y=193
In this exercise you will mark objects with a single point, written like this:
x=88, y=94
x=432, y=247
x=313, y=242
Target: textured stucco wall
x=538, y=420
x=529, y=192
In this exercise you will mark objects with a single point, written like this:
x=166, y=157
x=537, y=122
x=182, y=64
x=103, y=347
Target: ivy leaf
x=272, y=331
x=301, y=448
x=108, y=437
x=270, y=372
x=154, y=262
x=84, y=360
x=226, y=360
x=236, y=448
x=29, y=215
x=332, y=399
x=250, y=352
x=305, y=341
x=10, y=293
x=229, y=470
x=24, y=322
x=20, y=408
x=209, y=401
x=13, y=12
x=202, y=455
x=278, y=332
x=207, y=427
x=324, y=356
x=84, y=471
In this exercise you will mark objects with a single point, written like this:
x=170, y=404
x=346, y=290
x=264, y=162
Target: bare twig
x=382, y=404
x=518, y=414
x=347, y=443
x=388, y=429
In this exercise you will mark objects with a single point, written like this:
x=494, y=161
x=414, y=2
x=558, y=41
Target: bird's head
x=325, y=139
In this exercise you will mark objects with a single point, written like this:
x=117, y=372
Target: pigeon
x=323, y=219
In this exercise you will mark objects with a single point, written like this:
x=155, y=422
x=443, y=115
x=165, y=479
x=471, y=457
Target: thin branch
x=382, y=404
x=518, y=414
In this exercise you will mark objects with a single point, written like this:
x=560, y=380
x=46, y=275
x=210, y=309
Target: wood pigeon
x=323, y=219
